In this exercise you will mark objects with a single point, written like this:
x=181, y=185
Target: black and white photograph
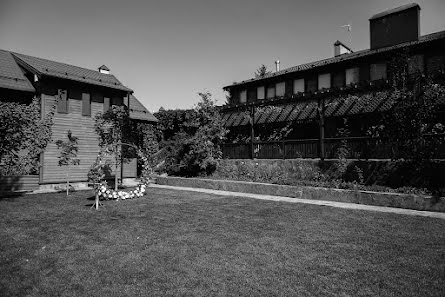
x=222, y=148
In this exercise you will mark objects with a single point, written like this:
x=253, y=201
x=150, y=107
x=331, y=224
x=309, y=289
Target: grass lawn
x=173, y=243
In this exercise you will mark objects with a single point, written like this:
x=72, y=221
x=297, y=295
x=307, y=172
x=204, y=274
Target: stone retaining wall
x=408, y=201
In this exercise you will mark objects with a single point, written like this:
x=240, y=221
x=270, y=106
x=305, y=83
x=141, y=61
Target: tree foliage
x=192, y=139
x=261, y=71
x=68, y=154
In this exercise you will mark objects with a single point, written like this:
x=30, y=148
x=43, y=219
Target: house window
x=352, y=76
x=251, y=95
x=106, y=104
x=435, y=63
x=324, y=81
x=338, y=79
x=86, y=104
x=280, y=89
x=243, y=96
x=62, y=104
x=299, y=86
x=378, y=71
x=260, y=93
x=415, y=64
x=311, y=84
x=270, y=93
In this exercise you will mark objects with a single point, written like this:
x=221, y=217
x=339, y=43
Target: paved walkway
x=438, y=215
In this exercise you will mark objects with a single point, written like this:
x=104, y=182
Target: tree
x=261, y=71
x=114, y=129
x=68, y=155
x=192, y=139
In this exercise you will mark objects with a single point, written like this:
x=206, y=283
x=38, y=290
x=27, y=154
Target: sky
x=169, y=50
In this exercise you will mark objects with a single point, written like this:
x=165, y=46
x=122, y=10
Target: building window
x=86, y=104
x=251, y=95
x=378, y=71
x=338, y=79
x=415, y=64
x=299, y=86
x=270, y=94
x=106, y=104
x=435, y=63
x=352, y=76
x=324, y=81
x=62, y=104
x=260, y=93
x=280, y=89
x=311, y=84
x=243, y=96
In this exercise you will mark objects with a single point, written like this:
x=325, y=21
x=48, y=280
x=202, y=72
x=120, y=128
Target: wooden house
x=315, y=97
x=81, y=93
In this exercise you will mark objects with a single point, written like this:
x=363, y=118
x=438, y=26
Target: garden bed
x=408, y=201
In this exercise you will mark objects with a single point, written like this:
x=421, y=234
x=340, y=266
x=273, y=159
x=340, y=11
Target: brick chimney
x=340, y=49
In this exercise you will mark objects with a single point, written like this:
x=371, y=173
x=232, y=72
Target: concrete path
x=438, y=215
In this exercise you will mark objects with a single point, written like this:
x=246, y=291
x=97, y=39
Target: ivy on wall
x=25, y=135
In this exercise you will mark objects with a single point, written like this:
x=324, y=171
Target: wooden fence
x=358, y=148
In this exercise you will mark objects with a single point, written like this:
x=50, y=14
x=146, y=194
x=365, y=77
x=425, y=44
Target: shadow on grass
x=11, y=195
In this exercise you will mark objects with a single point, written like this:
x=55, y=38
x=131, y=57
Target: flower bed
x=106, y=193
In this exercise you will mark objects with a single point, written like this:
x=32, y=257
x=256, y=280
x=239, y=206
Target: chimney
x=395, y=26
x=340, y=49
x=277, y=65
x=104, y=69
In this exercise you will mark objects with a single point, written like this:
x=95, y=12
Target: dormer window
x=243, y=96
x=352, y=76
x=280, y=89
x=260, y=93
x=270, y=92
x=324, y=81
x=104, y=69
x=299, y=86
x=378, y=71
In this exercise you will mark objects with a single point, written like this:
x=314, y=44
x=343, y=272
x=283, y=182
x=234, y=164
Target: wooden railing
x=358, y=148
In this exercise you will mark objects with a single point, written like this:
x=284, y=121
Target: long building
x=351, y=84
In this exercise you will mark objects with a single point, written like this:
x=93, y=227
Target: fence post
x=284, y=149
x=321, y=153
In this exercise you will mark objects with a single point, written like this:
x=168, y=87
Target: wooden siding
x=83, y=128
x=19, y=183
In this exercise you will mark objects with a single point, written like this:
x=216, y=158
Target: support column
x=321, y=125
x=252, y=131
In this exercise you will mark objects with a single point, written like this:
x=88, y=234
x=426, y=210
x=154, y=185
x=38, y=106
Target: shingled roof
x=11, y=76
x=302, y=111
x=139, y=112
x=344, y=57
x=46, y=67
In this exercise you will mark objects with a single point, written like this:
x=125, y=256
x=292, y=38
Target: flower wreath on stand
x=105, y=193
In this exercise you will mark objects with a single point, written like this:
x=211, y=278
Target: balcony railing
x=358, y=148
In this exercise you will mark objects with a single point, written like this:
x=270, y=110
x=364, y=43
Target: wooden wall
x=82, y=127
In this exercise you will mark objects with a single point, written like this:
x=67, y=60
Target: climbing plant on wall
x=24, y=135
